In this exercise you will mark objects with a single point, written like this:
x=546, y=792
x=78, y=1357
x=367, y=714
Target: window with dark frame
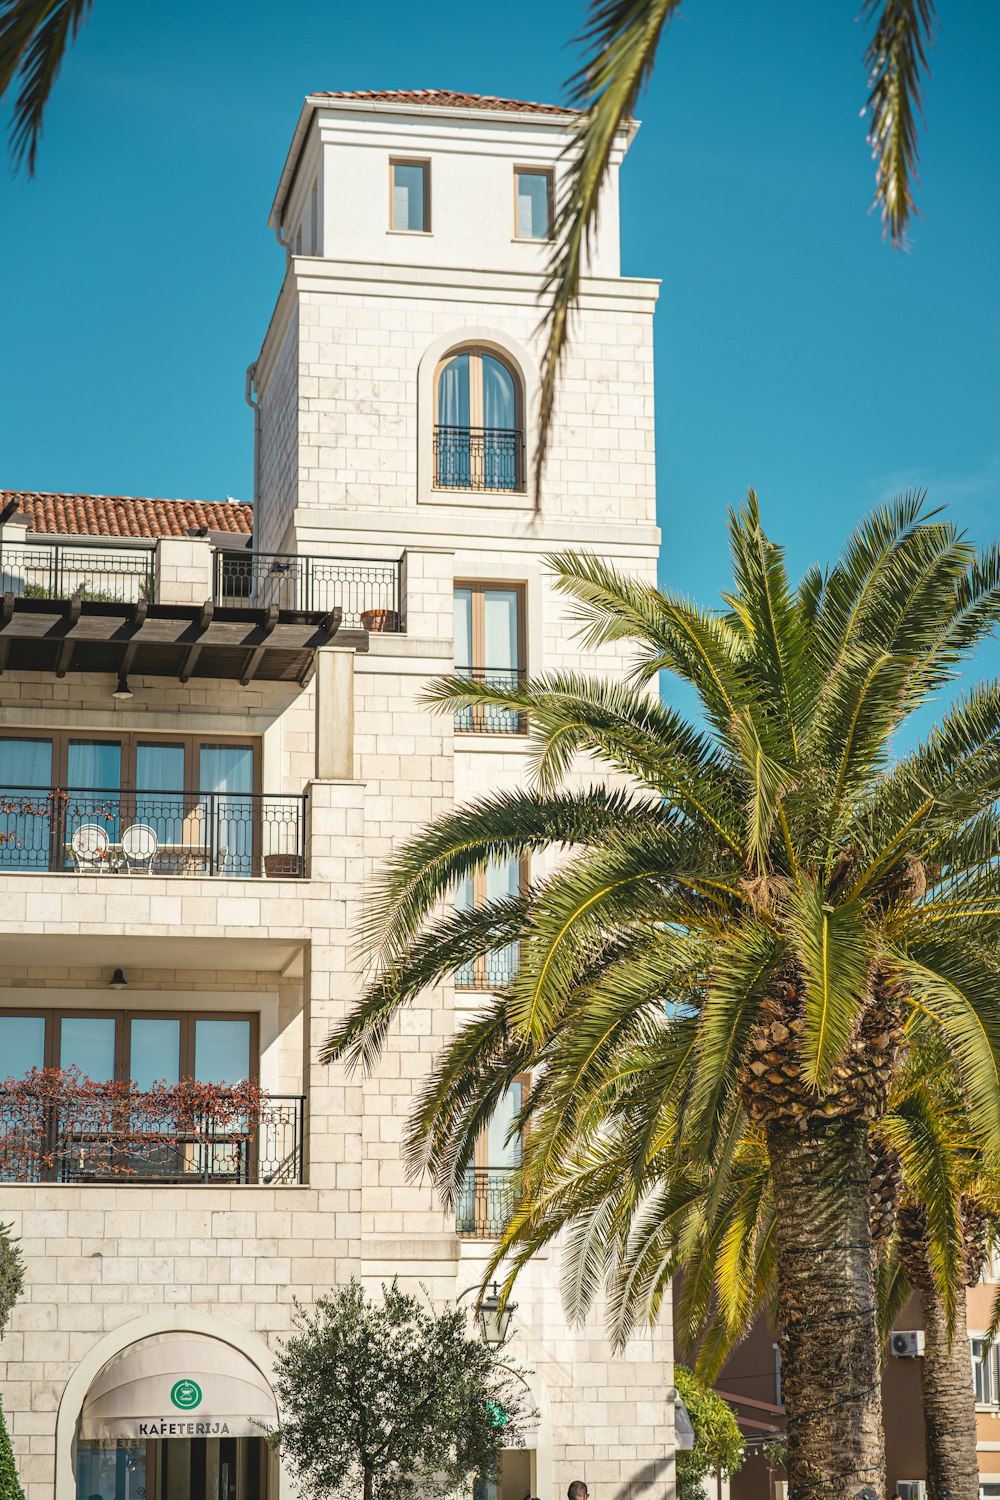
x=143, y=1046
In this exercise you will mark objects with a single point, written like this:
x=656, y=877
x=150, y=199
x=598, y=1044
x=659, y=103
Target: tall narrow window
x=486, y=1199
x=410, y=196
x=532, y=204
x=500, y=879
x=478, y=423
x=489, y=648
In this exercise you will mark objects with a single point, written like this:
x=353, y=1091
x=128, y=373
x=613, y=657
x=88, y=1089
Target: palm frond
x=35, y=36
x=896, y=62
x=622, y=36
x=834, y=945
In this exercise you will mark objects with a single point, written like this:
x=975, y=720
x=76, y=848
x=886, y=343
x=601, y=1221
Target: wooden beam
x=256, y=656
x=7, y=610
x=328, y=626
x=65, y=656
x=4, y=651
x=193, y=652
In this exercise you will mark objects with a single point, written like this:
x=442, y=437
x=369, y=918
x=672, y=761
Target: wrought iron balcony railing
x=227, y=834
x=59, y=570
x=484, y=718
x=491, y=971
x=479, y=458
x=485, y=1203
x=366, y=589
x=57, y=1128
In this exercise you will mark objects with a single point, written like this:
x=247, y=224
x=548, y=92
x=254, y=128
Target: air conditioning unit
x=907, y=1343
x=911, y=1489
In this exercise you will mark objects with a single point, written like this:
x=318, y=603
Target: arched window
x=478, y=423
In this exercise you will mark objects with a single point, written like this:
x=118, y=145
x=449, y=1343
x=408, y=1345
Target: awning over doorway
x=178, y=1385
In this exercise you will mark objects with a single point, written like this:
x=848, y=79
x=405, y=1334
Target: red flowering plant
x=54, y=1122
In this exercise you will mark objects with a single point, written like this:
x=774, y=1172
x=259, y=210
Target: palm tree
x=771, y=901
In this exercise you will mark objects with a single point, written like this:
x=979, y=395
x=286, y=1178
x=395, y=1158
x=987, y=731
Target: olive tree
x=390, y=1398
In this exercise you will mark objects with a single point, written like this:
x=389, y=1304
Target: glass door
x=225, y=777
x=93, y=781
x=26, y=815
x=222, y=1057
x=159, y=798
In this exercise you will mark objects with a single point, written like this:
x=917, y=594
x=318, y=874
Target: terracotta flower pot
x=283, y=866
x=380, y=619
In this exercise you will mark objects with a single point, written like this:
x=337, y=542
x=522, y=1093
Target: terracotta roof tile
x=446, y=99
x=126, y=515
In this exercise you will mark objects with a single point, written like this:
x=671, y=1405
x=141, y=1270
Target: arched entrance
x=175, y=1416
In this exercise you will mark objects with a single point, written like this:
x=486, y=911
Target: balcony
x=225, y=834
x=485, y=1202
x=64, y=570
x=490, y=971
x=485, y=718
x=479, y=458
x=366, y=590
x=58, y=1128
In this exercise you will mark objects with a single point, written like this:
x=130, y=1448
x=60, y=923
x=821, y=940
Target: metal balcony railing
x=484, y=718
x=366, y=589
x=485, y=1202
x=59, y=570
x=113, y=832
x=55, y=1128
x=478, y=458
x=491, y=971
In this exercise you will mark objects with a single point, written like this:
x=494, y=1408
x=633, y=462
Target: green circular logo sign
x=186, y=1394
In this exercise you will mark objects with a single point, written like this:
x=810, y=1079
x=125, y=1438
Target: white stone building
x=207, y=749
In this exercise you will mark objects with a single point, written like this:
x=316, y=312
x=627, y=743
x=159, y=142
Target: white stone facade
x=344, y=387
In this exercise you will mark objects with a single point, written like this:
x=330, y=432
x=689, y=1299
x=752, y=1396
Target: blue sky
x=795, y=351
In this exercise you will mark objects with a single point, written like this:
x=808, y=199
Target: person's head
x=577, y=1491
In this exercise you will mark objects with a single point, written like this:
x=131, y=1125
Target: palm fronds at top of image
x=620, y=41
x=35, y=36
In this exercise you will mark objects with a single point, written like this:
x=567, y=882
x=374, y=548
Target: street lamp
x=494, y=1321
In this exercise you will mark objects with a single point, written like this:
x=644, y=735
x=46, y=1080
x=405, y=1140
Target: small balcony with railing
x=118, y=833
x=485, y=1202
x=60, y=1128
x=488, y=718
x=479, y=459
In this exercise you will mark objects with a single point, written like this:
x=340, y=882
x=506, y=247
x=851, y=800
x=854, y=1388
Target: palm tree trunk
x=831, y=1371
x=949, y=1405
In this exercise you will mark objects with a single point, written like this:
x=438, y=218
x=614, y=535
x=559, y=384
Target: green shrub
x=718, y=1442
x=10, y=1485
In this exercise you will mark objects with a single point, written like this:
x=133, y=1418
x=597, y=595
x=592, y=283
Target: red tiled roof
x=445, y=99
x=127, y=516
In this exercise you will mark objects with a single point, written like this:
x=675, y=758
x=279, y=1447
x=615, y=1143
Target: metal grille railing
x=66, y=1133
x=58, y=570
x=230, y=834
x=487, y=718
x=478, y=458
x=491, y=971
x=366, y=589
x=485, y=1202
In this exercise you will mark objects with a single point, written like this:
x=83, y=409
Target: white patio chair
x=139, y=846
x=89, y=847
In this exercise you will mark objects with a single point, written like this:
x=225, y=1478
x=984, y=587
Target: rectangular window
x=500, y=879
x=59, y=791
x=410, y=196
x=486, y=1199
x=533, y=209
x=985, y=1373
x=489, y=648
x=146, y=1048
